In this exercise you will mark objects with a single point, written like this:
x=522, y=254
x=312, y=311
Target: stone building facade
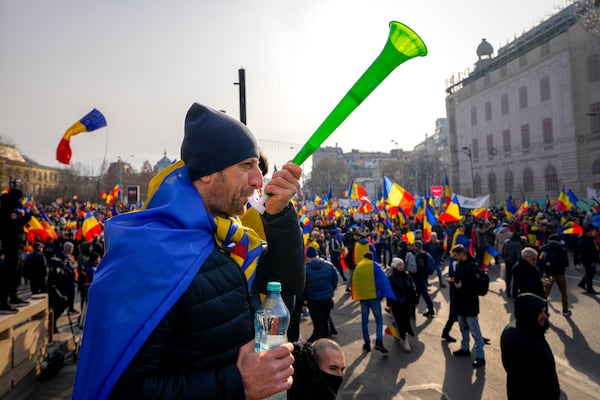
x=527, y=121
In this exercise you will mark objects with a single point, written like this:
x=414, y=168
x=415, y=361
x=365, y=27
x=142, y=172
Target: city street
x=430, y=371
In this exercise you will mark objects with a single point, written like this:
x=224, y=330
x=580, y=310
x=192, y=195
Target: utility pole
x=242, y=85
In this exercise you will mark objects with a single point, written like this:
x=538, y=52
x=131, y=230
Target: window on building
x=504, y=104
x=473, y=116
x=492, y=183
x=551, y=180
x=528, y=183
x=547, y=131
x=594, y=67
x=491, y=151
x=523, y=97
x=475, y=149
x=506, y=141
x=595, y=117
x=509, y=181
x=488, y=110
x=545, y=88
x=596, y=167
x=523, y=61
x=545, y=48
x=525, y=138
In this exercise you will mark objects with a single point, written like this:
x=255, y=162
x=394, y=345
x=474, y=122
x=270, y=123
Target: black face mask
x=333, y=381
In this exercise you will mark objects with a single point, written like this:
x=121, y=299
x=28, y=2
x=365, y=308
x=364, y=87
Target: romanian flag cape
x=152, y=257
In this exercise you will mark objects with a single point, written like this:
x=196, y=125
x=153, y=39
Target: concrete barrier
x=23, y=341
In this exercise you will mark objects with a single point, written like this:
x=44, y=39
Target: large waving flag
x=90, y=122
x=452, y=213
x=523, y=208
x=429, y=220
x=573, y=200
x=397, y=196
x=562, y=203
x=90, y=227
x=357, y=191
x=571, y=228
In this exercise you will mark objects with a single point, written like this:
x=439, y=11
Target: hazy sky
x=143, y=63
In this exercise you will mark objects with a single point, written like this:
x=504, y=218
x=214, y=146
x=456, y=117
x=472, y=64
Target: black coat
x=527, y=357
x=467, y=298
x=193, y=351
x=527, y=279
x=588, y=251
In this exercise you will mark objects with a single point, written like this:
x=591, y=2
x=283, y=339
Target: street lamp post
x=468, y=151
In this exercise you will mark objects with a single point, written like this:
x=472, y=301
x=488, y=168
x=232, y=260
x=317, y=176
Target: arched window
x=492, y=183
x=596, y=167
x=509, y=181
x=551, y=180
x=528, y=185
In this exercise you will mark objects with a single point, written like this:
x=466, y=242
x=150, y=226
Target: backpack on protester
x=430, y=264
x=411, y=263
x=482, y=281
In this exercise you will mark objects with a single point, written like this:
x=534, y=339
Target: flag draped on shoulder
x=90, y=122
x=170, y=244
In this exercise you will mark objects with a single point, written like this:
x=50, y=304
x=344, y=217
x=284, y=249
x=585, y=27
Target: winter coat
x=467, y=298
x=526, y=356
x=321, y=280
x=193, y=351
x=527, y=279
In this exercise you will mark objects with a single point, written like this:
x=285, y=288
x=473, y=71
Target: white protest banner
x=473, y=202
x=593, y=193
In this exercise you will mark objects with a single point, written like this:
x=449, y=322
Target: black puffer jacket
x=192, y=353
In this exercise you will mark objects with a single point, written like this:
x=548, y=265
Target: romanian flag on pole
x=452, y=213
x=429, y=220
x=571, y=228
x=90, y=227
x=562, y=203
x=90, y=122
x=447, y=195
x=396, y=195
x=358, y=191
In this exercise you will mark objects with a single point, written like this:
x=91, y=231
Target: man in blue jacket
x=172, y=305
x=321, y=281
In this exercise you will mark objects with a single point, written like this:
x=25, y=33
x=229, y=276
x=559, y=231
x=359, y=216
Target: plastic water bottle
x=270, y=324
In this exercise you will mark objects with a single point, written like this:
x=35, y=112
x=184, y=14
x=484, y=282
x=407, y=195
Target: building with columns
x=526, y=121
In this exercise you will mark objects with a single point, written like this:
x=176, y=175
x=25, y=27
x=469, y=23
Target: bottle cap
x=274, y=286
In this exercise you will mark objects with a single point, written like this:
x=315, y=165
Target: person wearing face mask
x=526, y=356
x=318, y=370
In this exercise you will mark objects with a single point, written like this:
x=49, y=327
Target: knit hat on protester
x=214, y=141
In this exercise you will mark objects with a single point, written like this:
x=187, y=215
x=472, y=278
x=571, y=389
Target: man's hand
x=282, y=187
x=267, y=372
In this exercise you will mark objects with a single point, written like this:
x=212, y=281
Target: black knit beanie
x=214, y=141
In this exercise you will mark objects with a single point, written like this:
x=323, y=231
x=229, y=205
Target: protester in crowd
x=555, y=259
x=588, y=256
x=36, y=269
x=321, y=281
x=369, y=286
x=318, y=370
x=12, y=220
x=192, y=275
x=526, y=356
x=526, y=275
x=511, y=252
x=435, y=249
x=467, y=304
x=404, y=290
x=452, y=315
x=420, y=277
x=69, y=267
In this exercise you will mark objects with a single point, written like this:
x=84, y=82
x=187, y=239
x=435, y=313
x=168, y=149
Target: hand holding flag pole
x=402, y=44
